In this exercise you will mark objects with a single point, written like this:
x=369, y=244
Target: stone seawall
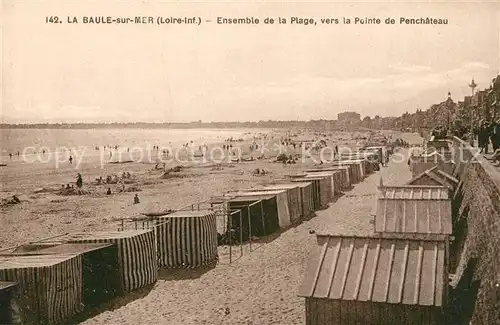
x=480, y=205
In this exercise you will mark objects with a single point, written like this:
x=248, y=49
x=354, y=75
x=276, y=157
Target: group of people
x=17, y=154
x=489, y=132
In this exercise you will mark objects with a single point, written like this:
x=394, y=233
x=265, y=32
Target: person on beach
x=495, y=134
x=10, y=155
x=108, y=192
x=79, y=180
x=136, y=199
x=70, y=159
x=484, y=137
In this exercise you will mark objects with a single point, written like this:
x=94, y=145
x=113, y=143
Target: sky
x=166, y=73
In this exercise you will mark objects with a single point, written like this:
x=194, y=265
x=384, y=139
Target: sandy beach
x=259, y=288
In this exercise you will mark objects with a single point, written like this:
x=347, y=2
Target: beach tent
x=344, y=174
x=361, y=163
x=325, y=187
x=413, y=209
x=306, y=198
x=137, y=260
x=293, y=197
x=284, y=219
x=9, y=307
x=313, y=192
x=329, y=176
x=368, y=280
x=368, y=161
x=50, y=286
x=336, y=179
x=381, y=152
x=255, y=214
x=99, y=266
x=187, y=239
x=355, y=174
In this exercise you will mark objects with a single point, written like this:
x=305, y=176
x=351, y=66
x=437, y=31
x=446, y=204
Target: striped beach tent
x=362, y=164
x=325, y=187
x=99, y=266
x=314, y=192
x=331, y=176
x=254, y=213
x=306, y=198
x=281, y=199
x=137, y=261
x=187, y=239
x=345, y=178
x=293, y=197
x=355, y=173
x=50, y=286
x=9, y=309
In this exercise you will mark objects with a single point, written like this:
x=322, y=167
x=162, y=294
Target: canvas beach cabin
x=99, y=271
x=9, y=307
x=313, y=192
x=136, y=254
x=187, y=239
x=253, y=214
x=293, y=197
x=49, y=286
x=344, y=174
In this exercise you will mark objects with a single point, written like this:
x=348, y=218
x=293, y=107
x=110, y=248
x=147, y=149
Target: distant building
x=349, y=118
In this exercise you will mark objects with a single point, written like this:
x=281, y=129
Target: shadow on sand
x=463, y=297
x=110, y=305
x=184, y=274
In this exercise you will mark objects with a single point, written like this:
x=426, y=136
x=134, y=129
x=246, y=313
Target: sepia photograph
x=176, y=162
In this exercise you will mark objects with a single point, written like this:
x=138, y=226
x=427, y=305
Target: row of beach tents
x=400, y=273
x=52, y=280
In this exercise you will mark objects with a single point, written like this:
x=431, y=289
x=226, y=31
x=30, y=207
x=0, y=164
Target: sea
x=58, y=141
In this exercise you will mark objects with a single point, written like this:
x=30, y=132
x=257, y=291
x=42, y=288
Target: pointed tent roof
x=438, y=176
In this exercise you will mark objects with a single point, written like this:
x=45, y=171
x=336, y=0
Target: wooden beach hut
x=99, y=271
x=344, y=174
x=435, y=177
x=136, y=250
x=413, y=209
x=9, y=309
x=187, y=239
x=421, y=163
x=441, y=145
x=49, y=286
x=380, y=281
x=314, y=193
